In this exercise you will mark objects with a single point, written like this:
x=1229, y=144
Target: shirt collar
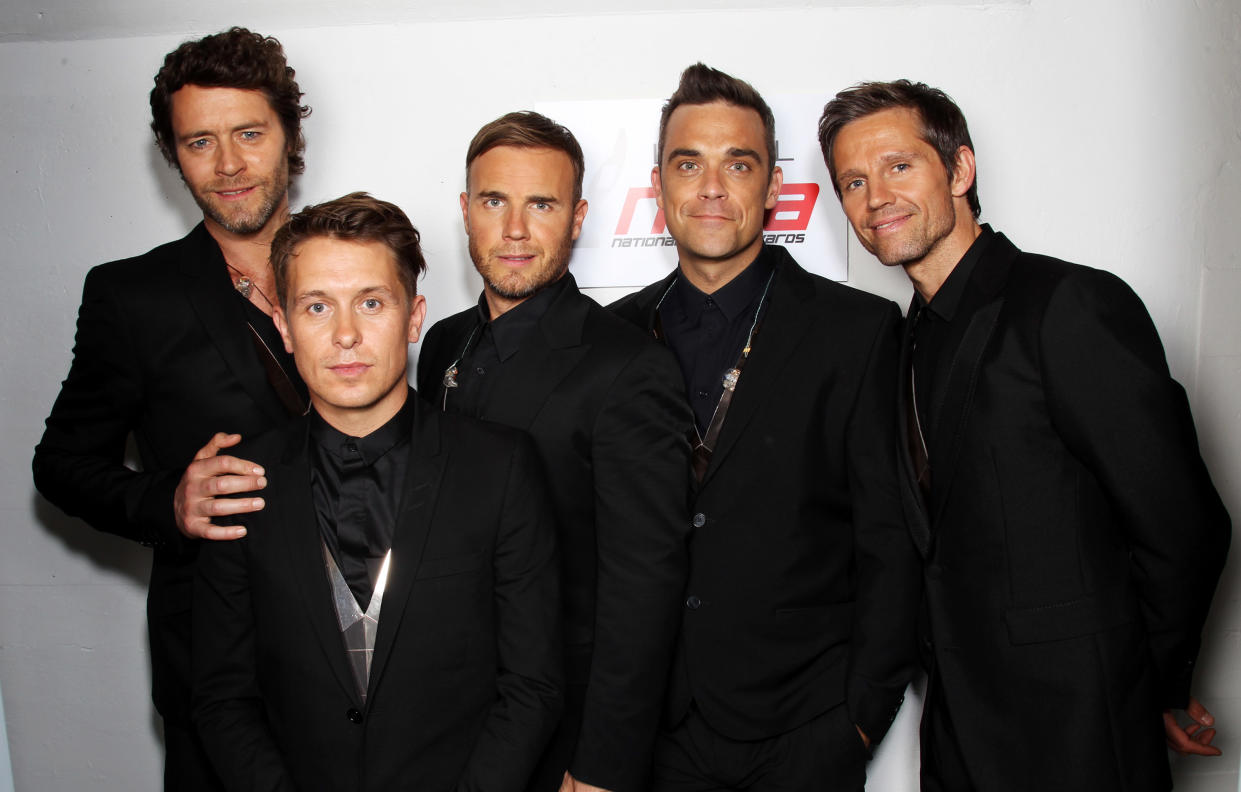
x=510, y=328
x=946, y=301
x=734, y=297
x=370, y=448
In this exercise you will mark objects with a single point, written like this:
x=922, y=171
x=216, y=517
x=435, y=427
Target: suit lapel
x=422, y=486
x=547, y=356
x=293, y=504
x=785, y=320
x=952, y=402
x=222, y=316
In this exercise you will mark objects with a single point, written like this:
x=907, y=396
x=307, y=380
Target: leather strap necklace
x=704, y=446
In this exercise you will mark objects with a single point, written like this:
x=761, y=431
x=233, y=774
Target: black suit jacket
x=605, y=407
x=465, y=679
x=1073, y=537
x=803, y=583
x=162, y=352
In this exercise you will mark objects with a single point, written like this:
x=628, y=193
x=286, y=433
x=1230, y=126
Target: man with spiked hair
x=177, y=344
x=391, y=620
x=605, y=408
x=796, y=641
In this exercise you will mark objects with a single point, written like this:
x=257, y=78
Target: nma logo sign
x=786, y=222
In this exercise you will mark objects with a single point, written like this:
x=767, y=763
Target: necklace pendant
x=450, y=377
x=730, y=379
x=243, y=286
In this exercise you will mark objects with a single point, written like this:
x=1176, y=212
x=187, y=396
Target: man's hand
x=862, y=734
x=1194, y=737
x=571, y=784
x=208, y=476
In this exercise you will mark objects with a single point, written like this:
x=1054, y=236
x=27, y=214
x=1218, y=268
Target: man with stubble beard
x=177, y=344
x=605, y=409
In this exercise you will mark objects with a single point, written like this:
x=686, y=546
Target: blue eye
x=371, y=304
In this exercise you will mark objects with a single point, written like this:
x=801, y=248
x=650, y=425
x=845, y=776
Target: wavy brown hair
x=235, y=58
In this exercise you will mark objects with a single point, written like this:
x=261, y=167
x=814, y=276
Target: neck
x=497, y=305
x=249, y=253
x=361, y=422
x=929, y=272
x=710, y=275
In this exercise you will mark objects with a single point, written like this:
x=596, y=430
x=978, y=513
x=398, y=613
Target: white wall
x=1106, y=133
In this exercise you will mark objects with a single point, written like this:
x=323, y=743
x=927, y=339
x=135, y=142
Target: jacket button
x=700, y=520
x=693, y=603
x=354, y=715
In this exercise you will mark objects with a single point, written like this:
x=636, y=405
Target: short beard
x=253, y=222
x=520, y=289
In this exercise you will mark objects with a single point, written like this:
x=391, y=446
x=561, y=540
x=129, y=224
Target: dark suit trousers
x=825, y=754
x=943, y=769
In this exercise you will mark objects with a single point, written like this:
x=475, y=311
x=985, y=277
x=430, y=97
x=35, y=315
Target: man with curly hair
x=177, y=344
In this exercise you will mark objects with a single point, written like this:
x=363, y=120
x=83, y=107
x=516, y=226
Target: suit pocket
x=450, y=565
x=1094, y=613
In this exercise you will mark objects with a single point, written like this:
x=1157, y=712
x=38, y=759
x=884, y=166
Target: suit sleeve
x=527, y=607
x=79, y=463
x=883, y=649
x=1115, y=405
x=428, y=384
x=640, y=456
x=227, y=705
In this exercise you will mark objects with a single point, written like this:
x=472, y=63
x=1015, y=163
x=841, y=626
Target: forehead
x=718, y=125
x=199, y=107
x=894, y=129
x=326, y=264
x=521, y=170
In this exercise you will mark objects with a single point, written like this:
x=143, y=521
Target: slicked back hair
x=356, y=217
x=528, y=129
x=700, y=85
x=236, y=58
x=943, y=124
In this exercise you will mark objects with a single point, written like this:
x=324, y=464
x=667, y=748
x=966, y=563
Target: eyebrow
x=549, y=199
x=314, y=294
x=890, y=157
x=732, y=152
x=256, y=124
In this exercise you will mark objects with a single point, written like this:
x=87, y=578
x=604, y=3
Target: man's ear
x=658, y=185
x=962, y=172
x=282, y=324
x=417, y=314
x=579, y=216
x=774, y=184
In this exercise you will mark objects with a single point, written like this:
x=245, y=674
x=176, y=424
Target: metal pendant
x=450, y=376
x=243, y=286
x=730, y=378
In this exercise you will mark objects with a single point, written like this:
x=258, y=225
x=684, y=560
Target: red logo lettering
x=796, y=200
x=791, y=213
x=631, y=203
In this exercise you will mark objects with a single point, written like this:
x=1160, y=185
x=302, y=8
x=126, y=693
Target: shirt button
x=480, y=370
x=700, y=520
x=351, y=448
x=703, y=394
x=354, y=715
x=693, y=603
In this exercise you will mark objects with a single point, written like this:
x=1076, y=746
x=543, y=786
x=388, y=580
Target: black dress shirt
x=936, y=329
x=708, y=331
x=356, y=484
x=493, y=345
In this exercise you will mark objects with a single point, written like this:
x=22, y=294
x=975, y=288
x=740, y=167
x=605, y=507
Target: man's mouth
x=349, y=369
x=889, y=224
